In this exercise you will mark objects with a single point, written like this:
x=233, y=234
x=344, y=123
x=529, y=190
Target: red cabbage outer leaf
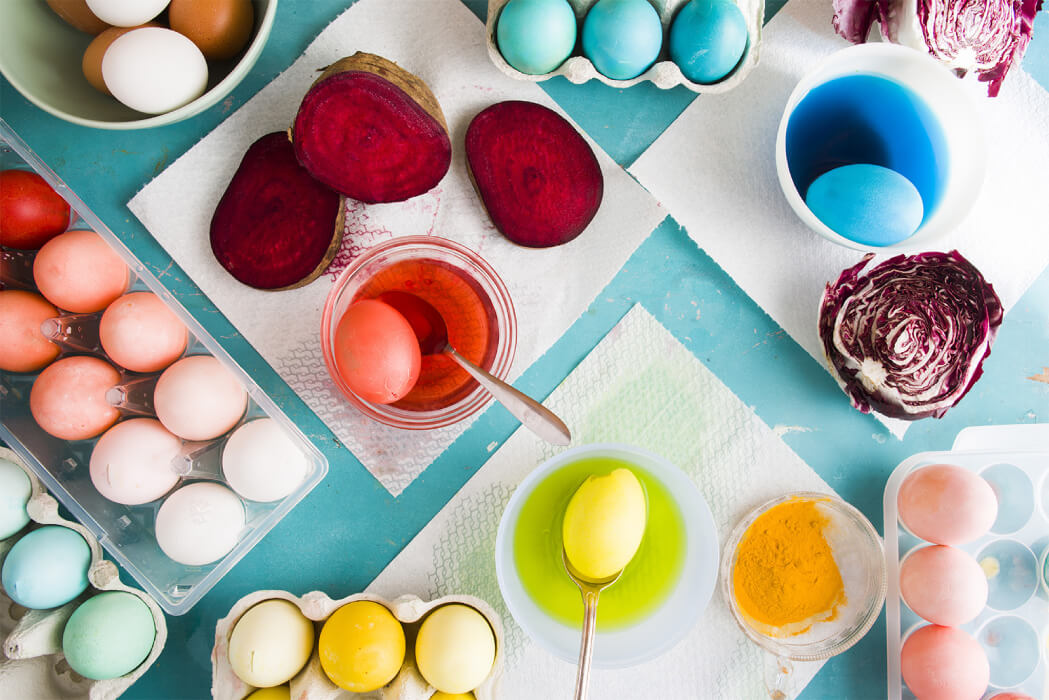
x=853, y=19
x=909, y=337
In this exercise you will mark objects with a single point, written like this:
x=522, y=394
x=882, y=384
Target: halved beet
x=537, y=177
x=373, y=131
x=276, y=227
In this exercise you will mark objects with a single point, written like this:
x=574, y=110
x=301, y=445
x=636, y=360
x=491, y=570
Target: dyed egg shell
x=47, y=568
x=132, y=462
x=536, y=36
x=109, y=635
x=944, y=663
x=452, y=696
x=199, y=523
x=261, y=462
x=23, y=348
x=622, y=38
x=15, y=490
x=361, y=646
x=604, y=523
x=946, y=504
x=376, y=352
x=197, y=398
x=943, y=585
x=31, y=212
x=270, y=643
x=455, y=649
x=277, y=692
x=707, y=39
x=68, y=399
x=1012, y=696
x=866, y=203
x=154, y=70
x=79, y=272
x=140, y=333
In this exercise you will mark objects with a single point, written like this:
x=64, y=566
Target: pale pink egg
x=197, y=398
x=79, y=272
x=377, y=352
x=140, y=333
x=23, y=348
x=1012, y=696
x=132, y=462
x=946, y=504
x=943, y=585
x=944, y=663
x=68, y=399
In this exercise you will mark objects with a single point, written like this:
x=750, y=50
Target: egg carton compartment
x=664, y=72
x=311, y=683
x=32, y=665
x=1013, y=628
x=127, y=532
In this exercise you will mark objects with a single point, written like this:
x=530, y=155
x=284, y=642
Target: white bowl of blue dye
x=886, y=107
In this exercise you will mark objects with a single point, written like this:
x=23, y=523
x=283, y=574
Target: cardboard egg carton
x=32, y=665
x=311, y=683
x=664, y=72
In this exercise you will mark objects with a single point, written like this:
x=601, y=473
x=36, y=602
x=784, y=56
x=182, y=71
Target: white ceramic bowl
x=667, y=624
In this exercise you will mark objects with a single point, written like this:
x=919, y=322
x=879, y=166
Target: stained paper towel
x=639, y=386
x=714, y=169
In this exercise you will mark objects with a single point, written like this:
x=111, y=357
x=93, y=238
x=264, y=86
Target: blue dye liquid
x=867, y=119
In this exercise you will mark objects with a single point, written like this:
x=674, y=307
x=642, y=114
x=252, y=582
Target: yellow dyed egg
x=270, y=643
x=361, y=646
x=604, y=524
x=455, y=648
x=280, y=692
x=451, y=696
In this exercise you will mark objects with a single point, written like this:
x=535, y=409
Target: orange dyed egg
x=23, y=348
x=79, y=272
x=377, y=352
x=68, y=399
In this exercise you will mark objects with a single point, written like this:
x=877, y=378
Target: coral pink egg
x=132, y=462
x=23, y=348
x=68, y=399
x=944, y=663
x=79, y=272
x=197, y=398
x=946, y=504
x=943, y=585
x=377, y=352
x=140, y=333
x=1012, y=696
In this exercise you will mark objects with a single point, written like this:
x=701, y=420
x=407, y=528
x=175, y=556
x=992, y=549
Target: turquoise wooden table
x=363, y=527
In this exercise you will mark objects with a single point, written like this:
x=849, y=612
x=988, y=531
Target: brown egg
x=77, y=14
x=92, y=63
x=219, y=28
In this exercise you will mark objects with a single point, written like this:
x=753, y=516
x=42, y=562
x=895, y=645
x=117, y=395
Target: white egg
x=200, y=523
x=154, y=70
x=132, y=462
x=126, y=13
x=261, y=462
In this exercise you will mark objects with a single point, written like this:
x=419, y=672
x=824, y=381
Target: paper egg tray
x=664, y=72
x=32, y=666
x=126, y=532
x=1014, y=626
x=311, y=683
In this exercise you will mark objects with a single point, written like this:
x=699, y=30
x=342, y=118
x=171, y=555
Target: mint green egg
x=536, y=36
x=15, y=490
x=109, y=635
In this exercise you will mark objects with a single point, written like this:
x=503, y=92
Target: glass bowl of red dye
x=473, y=302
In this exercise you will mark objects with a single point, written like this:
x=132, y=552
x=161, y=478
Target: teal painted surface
x=355, y=527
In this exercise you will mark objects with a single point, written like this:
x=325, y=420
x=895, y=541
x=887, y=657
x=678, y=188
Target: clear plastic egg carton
x=32, y=666
x=126, y=532
x=311, y=683
x=664, y=72
x=1014, y=626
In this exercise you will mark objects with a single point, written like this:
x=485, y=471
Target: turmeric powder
x=785, y=576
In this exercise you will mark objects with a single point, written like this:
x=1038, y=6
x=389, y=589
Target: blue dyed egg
x=865, y=203
x=622, y=38
x=536, y=36
x=47, y=568
x=15, y=490
x=707, y=39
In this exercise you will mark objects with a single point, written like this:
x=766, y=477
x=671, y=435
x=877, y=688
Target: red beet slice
x=537, y=177
x=275, y=227
x=373, y=131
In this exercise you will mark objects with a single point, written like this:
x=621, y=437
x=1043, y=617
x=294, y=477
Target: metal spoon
x=591, y=590
x=432, y=334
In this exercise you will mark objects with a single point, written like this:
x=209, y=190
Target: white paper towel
x=639, y=386
x=443, y=43
x=714, y=169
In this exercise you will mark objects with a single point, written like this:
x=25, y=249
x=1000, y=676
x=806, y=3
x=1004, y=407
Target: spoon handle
x=586, y=648
x=532, y=414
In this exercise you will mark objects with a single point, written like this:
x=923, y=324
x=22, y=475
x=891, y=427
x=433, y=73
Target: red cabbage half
x=908, y=338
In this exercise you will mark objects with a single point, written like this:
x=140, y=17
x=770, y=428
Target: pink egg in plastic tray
x=1013, y=627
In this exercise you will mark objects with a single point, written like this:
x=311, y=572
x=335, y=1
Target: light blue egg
x=15, y=490
x=536, y=36
x=866, y=203
x=707, y=39
x=109, y=635
x=46, y=568
x=622, y=38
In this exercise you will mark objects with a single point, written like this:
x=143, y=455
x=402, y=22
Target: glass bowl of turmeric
x=804, y=575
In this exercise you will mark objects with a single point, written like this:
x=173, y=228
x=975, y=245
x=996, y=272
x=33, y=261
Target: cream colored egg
x=455, y=649
x=154, y=70
x=270, y=643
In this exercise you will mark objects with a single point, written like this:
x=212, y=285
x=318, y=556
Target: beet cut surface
x=373, y=131
x=537, y=177
x=275, y=227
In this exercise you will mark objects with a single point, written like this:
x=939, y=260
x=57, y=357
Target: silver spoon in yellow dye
x=591, y=590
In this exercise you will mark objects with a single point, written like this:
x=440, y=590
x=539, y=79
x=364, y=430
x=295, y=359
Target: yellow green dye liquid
x=648, y=579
